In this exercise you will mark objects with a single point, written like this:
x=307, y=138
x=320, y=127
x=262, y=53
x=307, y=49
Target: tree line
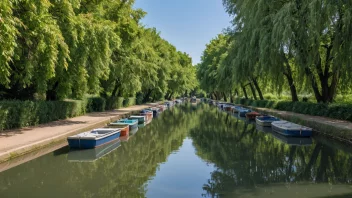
x=58, y=49
x=274, y=46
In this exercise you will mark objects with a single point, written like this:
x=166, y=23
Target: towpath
x=14, y=143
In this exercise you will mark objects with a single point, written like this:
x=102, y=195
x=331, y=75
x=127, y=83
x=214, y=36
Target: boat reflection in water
x=263, y=129
x=90, y=155
x=294, y=141
x=134, y=131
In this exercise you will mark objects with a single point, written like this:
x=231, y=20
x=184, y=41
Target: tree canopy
x=293, y=45
x=69, y=48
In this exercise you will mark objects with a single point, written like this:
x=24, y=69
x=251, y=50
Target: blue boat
x=94, y=138
x=265, y=121
x=90, y=155
x=242, y=112
x=132, y=123
x=291, y=129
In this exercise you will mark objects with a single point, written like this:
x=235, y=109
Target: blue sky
x=187, y=24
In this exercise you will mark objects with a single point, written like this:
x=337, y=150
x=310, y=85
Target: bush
x=96, y=104
x=336, y=111
x=129, y=101
x=114, y=103
x=16, y=114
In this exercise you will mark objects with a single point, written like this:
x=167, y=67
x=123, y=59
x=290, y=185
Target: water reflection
x=249, y=162
x=188, y=150
x=120, y=173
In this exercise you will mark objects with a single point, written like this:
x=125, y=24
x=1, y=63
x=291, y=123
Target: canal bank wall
x=18, y=142
x=337, y=129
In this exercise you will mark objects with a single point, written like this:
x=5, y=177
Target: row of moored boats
x=282, y=127
x=118, y=129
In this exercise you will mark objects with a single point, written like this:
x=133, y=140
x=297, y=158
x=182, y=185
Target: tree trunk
x=253, y=91
x=171, y=94
x=146, y=97
x=255, y=82
x=231, y=97
x=225, y=97
x=245, y=92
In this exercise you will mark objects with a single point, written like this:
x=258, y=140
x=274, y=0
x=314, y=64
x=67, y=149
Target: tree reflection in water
x=247, y=162
x=246, y=159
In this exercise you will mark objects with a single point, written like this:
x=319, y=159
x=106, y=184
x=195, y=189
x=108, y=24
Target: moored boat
x=148, y=114
x=265, y=120
x=132, y=123
x=90, y=155
x=125, y=128
x=252, y=115
x=242, y=112
x=155, y=111
x=94, y=138
x=141, y=119
x=291, y=129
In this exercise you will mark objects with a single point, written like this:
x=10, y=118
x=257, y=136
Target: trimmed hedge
x=96, y=104
x=16, y=114
x=336, y=111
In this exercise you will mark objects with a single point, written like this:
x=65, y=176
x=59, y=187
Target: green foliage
x=18, y=114
x=336, y=111
x=63, y=49
x=96, y=104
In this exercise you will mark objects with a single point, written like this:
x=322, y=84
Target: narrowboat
x=132, y=123
x=242, y=112
x=291, y=129
x=293, y=141
x=125, y=128
x=141, y=119
x=252, y=115
x=148, y=114
x=154, y=110
x=265, y=120
x=90, y=155
x=94, y=138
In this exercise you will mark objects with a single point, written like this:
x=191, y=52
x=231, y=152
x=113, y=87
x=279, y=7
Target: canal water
x=190, y=151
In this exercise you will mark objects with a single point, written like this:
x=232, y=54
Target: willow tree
x=306, y=41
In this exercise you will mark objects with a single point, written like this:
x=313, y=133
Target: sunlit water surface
x=190, y=151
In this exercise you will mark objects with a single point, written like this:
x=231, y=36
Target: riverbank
x=337, y=129
x=18, y=142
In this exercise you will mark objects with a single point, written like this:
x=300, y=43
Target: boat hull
x=265, y=121
x=90, y=155
x=292, y=132
x=91, y=143
x=242, y=113
x=141, y=120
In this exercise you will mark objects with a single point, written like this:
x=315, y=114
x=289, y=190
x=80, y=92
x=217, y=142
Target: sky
x=187, y=24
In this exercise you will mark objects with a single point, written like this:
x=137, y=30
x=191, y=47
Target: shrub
x=336, y=111
x=129, y=101
x=96, y=104
x=114, y=103
x=15, y=114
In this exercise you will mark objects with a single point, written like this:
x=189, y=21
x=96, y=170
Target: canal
x=190, y=151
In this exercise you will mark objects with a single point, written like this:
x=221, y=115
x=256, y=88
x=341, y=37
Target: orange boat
x=148, y=115
x=252, y=115
x=125, y=129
